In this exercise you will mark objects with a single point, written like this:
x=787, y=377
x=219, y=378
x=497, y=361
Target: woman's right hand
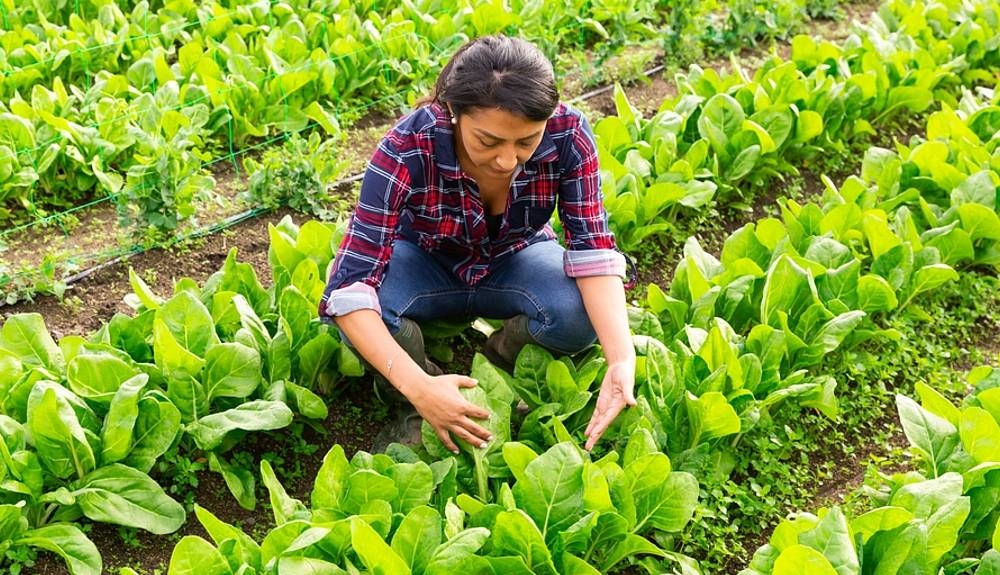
x=438, y=400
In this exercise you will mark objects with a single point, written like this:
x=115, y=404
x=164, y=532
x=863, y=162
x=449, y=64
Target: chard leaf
x=980, y=434
x=943, y=528
x=306, y=402
x=156, y=427
x=126, y=496
x=57, y=433
x=884, y=518
x=711, y=416
x=247, y=550
x=375, y=553
x=67, y=541
x=799, y=559
x=551, y=491
x=259, y=415
x=119, y=423
x=239, y=480
x=331, y=483
x=98, y=376
x=189, y=323
x=365, y=486
x=875, y=294
x=663, y=499
x=308, y=565
x=458, y=554
x=195, y=556
x=934, y=437
x=175, y=361
x=26, y=336
x=417, y=537
x=414, y=485
x=832, y=538
x=285, y=508
x=628, y=546
x=231, y=370
x=516, y=535
x=925, y=498
x=980, y=222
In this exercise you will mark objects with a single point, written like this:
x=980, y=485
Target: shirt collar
x=446, y=156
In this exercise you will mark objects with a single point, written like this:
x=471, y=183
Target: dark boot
x=404, y=421
x=503, y=345
x=411, y=339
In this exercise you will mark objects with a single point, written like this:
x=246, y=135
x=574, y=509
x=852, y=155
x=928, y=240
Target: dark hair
x=499, y=72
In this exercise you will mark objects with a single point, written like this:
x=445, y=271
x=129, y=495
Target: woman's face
x=492, y=142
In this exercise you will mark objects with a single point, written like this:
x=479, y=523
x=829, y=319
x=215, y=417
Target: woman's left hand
x=616, y=394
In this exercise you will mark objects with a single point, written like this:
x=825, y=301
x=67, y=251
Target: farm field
x=810, y=194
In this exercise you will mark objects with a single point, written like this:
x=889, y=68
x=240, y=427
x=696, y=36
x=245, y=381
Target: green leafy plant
x=298, y=174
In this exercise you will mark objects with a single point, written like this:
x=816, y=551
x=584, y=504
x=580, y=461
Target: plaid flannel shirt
x=415, y=189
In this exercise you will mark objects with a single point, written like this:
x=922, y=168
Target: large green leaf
x=67, y=541
x=934, y=437
x=57, y=433
x=119, y=424
x=194, y=556
x=980, y=434
x=258, y=415
x=799, y=559
x=126, y=496
x=516, y=535
x=97, y=376
x=417, y=537
x=231, y=370
x=550, y=490
x=27, y=337
x=663, y=498
x=156, y=427
x=375, y=553
x=832, y=538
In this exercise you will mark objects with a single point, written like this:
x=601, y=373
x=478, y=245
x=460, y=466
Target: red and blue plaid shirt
x=415, y=189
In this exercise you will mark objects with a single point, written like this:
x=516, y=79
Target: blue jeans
x=531, y=282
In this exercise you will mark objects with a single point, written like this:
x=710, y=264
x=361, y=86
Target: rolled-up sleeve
x=366, y=248
x=589, y=241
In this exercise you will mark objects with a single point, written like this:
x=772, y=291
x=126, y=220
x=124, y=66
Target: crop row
x=134, y=101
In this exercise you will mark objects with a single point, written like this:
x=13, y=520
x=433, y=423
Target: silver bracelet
x=388, y=364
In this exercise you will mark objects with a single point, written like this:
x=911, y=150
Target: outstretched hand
x=616, y=394
x=442, y=406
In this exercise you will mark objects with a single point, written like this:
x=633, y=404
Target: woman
x=452, y=222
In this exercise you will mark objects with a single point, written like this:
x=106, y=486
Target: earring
x=454, y=121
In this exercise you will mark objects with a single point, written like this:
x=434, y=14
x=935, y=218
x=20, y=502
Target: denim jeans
x=531, y=282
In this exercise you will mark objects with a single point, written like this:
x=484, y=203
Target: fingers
x=598, y=425
x=467, y=382
x=466, y=430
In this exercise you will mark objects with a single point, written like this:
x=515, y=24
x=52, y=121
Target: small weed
x=130, y=537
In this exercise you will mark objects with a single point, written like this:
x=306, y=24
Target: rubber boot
x=503, y=345
x=404, y=421
x=411, y=339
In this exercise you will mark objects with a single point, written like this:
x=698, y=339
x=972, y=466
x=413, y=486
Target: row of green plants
x=135, y=104
x=939, y=517
x=79, y=84
x=86, y=419
x=724, y=136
